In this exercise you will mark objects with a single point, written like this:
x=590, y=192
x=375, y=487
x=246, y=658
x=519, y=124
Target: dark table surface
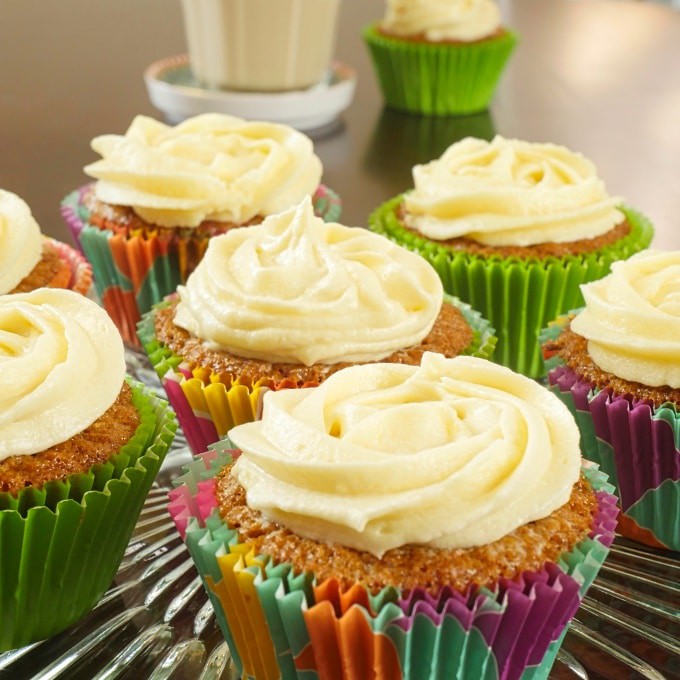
x=599, y=76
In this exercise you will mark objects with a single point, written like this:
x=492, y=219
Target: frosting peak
x=20, y=241
x=210, y=167
x=297, y=290
x=61, y=367
x=439, y=20
x=455, y=453
x=632, y=319
x=510, y=192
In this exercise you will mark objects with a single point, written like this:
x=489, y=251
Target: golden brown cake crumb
x=450, y=335
x=121, y=217
x=539, y=250
x=95, y=444
x=51, y=271
x=422, y=38
x=527, y=548
x=573, y=350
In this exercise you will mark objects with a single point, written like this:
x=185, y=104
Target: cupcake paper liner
x=638, y=446
x=519, y=297
x=438, y=79
x=133, y=271
x=280, y=624
x=61, y=545
x=81, y=272
x=208, y=404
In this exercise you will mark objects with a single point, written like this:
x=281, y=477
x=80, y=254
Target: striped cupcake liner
x=134, y=271
x=635, y=443
x=61, y=544
x=209, y=404
x=280, y=623
x=438, y=79
x=81, y=271
x=519, y=297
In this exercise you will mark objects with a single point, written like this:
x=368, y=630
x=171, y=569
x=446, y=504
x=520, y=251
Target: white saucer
x=176, y=92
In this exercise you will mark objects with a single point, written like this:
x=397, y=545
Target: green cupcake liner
x=518, y=296
x=61, y=545
x=438, y=79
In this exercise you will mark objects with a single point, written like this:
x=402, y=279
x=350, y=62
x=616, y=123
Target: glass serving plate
x=156, y=621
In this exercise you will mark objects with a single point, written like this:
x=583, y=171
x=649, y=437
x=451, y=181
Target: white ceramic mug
x=260, y=45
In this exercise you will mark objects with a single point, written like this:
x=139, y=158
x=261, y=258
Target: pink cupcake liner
x=81, y=271
x=638, y=446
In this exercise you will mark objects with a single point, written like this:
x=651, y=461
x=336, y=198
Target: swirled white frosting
x=440, y=20
x=632, y=319
x=452, y=454
x=510, y=193
x=297, y=290
x=210, y=167
x=20, y=241
x=61, y=367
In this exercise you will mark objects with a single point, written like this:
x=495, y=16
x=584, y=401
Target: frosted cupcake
x=162, y=192
x=439, y=57
x=616, y=363
x=29, y=260
x=513, y=228
x=403, y=521
x=79, y=449
x=286, y=304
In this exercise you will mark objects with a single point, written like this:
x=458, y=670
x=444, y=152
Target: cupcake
x=616, y=364
x=287, y=303
x=79, y=449
x=29, y=260
x=403, y=521
x=513, y=228
x=162, y=192
x=439, y=58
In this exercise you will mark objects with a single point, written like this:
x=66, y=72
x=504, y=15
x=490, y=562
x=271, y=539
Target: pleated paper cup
x=80, y=271
x=61, y=545
x=135, y=269
x=634, y=442
x=280, y=623
x=209, y=404
x=438, y=79
x=518, y=296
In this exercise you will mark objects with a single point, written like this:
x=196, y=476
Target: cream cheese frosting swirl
x=632, y=319
x=452, y=454
x=20, y=241
x=509, y=192
x=61, y=367
x=440, y=20
x=210, y=167
x=297, y=290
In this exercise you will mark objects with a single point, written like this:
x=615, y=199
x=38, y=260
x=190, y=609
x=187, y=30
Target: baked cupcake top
x=442, y=20
x=632, y=319
x=210, y=167
x=295, y=289
x=452, y=454
x=63, y=366
x=20, y=241
x=509, y=192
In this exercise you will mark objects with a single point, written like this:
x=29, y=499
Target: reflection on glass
x=400, y=141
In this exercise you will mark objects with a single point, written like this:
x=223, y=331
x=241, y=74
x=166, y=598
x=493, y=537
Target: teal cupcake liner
x=518, y=296
x=438, y=79
x=61, y=545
